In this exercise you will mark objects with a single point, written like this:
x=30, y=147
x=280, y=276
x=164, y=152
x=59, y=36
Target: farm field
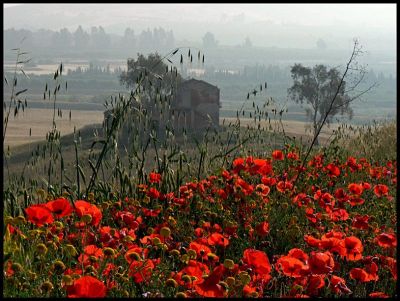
x=40, y=122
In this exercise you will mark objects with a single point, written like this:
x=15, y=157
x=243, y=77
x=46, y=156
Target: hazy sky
x=282, y=25
x=380, y=15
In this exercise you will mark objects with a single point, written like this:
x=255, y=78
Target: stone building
x=196, y=105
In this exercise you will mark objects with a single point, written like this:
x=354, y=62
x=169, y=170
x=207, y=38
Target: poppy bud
x=229, y=264
x=192, y=254
x=19, y=220
x=174, y=253
x=134, y=256
x=70, y=250
x=171, y=282
x=90, y=196
x=9, y=220
x=186, y=278
x=285, y=205
x=46, y=286
x=230, y=281
x=105, y=205
x=156, y=241
x=181, y=295
x=165, y=232
x=41, y=249
x=87, y=218
x=16, y=267
x=224, y=285
x=244, y=278
x=108, y=252
x=90, y=269
x=31, y=275
x=67, y=280
x=185, y=258
x=59, y=266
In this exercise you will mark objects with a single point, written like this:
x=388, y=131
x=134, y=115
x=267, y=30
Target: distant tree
x=317, y=86
x=209, y=41
x=99, y=38
x=81, y=38
x=62, y=39
x=327, y=91
x=129, y=39
x=153, y=68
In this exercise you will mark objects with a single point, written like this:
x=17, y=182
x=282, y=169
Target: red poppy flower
x=201, y=250
x=353, y=247
x=283, y=186
x=378, y=295
x=262, y=229
x=245, y=187
x=218, y=239
x=312, y=241
x=352, y=163
x=381, y=190
x=338, y=285
x=154, y=177
x=248, y=290
x=321, y=263
x=193, y=268
x=315, y=282
x=386, y=240
x=90, y=250
x=238, y=165
x=391, y=264
x=60, y=207
x=142, y=252
x=341, y=195
x=333, y=170
x=355, y=200
x=301, y=199
x=339, y=215
x=210, y=287
x=87, y=287
x=360, y=222
x=258, y=260
x=153, y=193
x=39, y=215
x=375, y=173
x=356, y=189
x=83, y=208
x=269, y=181
x=141, y=270
x=293, y=156
x=277, y=155
x=261, y=167
x=263, y=190
x=151, y=212
x=369, y=274
x=291, y=266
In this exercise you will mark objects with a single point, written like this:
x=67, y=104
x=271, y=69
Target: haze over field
x=246, y=44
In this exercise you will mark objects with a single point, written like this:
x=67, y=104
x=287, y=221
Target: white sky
x=380, y=15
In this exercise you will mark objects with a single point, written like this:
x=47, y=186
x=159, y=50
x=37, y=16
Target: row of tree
x=98, y=39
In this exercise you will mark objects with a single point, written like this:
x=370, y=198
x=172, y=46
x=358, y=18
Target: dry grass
x=40, y=121
x=298, y=129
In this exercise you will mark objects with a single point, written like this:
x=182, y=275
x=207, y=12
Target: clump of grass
x=376, y=142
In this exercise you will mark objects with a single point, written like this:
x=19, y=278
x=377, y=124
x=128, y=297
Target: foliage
x=317, y=87
x=242, y=232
